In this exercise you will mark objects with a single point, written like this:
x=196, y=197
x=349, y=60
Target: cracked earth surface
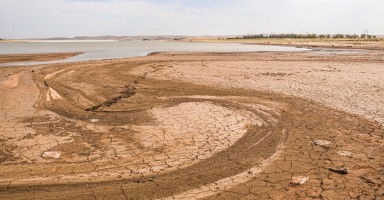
x=192, y=126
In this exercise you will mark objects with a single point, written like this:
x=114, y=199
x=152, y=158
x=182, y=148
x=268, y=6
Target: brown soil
x=7, y=58
x=202, y=125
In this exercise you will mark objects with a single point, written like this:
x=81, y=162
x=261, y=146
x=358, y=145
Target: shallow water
x=122, y=49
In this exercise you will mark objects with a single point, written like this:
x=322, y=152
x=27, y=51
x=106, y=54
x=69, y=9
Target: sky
x=69, y=18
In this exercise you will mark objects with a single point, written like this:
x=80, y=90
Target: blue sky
x=54, y=18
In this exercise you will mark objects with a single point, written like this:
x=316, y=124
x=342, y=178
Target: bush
x=254, y=36
x=305, y=36
x=338, y=36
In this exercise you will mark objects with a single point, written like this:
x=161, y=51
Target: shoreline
x=90, y=54
x=58, y=41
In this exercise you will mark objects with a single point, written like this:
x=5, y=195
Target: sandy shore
x=9, y=58
x=266, y=125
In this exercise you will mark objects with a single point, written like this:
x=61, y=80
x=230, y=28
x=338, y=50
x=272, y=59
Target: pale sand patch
x=267, y=110
x=48, y=76
x=51, y=154
x=11, y=81
x=32, y=149
x=52, y=93
x=70, y=72
x=355, y=87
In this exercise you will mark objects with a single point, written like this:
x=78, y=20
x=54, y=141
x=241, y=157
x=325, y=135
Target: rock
x=298, y=180
x=339, y=171
x=94, y=120
x=321, y=142
x=51, y=154
x=345, y=153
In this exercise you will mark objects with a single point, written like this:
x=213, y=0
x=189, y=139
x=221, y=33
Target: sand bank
x=8, y=58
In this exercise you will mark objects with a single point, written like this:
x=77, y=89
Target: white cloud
x=48, y=18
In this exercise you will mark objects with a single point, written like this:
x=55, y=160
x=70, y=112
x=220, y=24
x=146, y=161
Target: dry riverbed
x=266, y=125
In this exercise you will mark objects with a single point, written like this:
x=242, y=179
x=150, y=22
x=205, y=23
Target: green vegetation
x=306, y=36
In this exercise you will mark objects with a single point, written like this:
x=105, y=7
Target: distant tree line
x=305, y=36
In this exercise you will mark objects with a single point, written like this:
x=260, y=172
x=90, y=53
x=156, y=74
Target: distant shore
x=31, y=41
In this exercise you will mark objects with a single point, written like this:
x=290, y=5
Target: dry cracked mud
x=261, y=125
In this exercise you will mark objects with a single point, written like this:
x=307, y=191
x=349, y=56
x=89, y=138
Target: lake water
x=122, y=49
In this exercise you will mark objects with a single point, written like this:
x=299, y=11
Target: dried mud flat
x=195, y=125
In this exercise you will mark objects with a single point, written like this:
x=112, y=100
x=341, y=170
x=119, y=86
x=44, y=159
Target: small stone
x=298, y=180
x=94, y=120
x=321, y=142
x=339, y=171
x=345, y=153
x=51, y=154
